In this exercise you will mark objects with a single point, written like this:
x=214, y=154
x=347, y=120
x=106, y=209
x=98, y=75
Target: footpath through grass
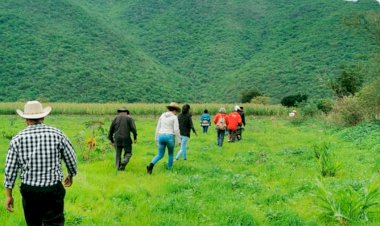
x=268, y=178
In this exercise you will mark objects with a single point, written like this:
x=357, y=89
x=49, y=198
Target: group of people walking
x=38, y=151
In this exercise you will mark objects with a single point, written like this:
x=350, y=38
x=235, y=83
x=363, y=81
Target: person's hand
x=9, y=204
x=68, y=181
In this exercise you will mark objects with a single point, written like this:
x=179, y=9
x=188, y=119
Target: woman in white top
x=167, y=132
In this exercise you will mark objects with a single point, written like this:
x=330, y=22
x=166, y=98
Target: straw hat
x=174, y=105
x=34, y=110
x=122, y=110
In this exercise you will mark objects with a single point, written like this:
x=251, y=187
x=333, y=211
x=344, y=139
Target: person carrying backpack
x=220, y=121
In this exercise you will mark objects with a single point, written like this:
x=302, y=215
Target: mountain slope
x=188, y=51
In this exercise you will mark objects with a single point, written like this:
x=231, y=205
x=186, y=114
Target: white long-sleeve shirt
x=168, y=124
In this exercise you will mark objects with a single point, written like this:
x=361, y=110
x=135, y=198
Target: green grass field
x=269, y=178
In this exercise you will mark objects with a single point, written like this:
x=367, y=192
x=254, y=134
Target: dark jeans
x=220, y=136
x=121, y=164
x=43, y=205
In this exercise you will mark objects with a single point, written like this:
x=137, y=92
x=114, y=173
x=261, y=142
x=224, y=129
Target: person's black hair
x=185, y=109
x=205, y=111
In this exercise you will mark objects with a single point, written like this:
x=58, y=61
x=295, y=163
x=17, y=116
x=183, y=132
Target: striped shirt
x=38, y=152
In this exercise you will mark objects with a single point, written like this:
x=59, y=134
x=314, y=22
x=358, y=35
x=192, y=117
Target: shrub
x=348, y=82
x=247, y=96
x=369, y=98
x=325, y=105
x=293, y=100
x=348, y=111
x=308, y=108
x=261, y=100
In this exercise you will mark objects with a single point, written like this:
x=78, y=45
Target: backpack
x=221, y=124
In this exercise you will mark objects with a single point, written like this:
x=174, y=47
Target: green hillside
x=188, y=51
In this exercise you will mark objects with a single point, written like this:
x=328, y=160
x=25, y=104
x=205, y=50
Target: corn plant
x=326, y=160
x=348, y=203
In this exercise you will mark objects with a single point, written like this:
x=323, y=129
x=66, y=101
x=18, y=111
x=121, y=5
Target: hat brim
x=177, y=108
x=45, y=112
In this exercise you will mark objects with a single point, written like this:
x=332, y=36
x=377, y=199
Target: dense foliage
x=188, y=51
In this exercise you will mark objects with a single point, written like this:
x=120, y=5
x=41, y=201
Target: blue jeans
x=204, y=128
x=220, y=137
x=165, y=140
x=183, y=148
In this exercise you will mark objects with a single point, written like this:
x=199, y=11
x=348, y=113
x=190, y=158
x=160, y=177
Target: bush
x=348, y=111
x=247, y=96
x=348, y=82
x=261, y=100
x=325, y=105
x=308, y=108
x=293, y=100
x=369, y=98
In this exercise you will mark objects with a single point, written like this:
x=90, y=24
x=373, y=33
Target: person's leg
x=32, y=205
x=161, y=152
x=170, y=144
x=184, y=146
x=218, y=138
x=180, y=152
x=233, y=135
x=222, y=132
x=204, y=129
x=55, y=204
x=126, y=157
x=118, y=156
x=162, y=142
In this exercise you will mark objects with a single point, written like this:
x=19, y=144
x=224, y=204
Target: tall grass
x=8, y=108
x=348, y=203
x=326, y=160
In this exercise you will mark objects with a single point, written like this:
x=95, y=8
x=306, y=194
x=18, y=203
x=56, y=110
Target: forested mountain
x=185, y=51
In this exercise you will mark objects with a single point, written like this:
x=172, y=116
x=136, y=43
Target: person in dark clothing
x=185, y=125
x=119, y=135
x=241, y=128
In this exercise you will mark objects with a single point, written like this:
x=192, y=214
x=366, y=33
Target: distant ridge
x=184, y=51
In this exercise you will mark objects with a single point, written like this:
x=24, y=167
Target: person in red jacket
x=234, y=121
x=220, y=121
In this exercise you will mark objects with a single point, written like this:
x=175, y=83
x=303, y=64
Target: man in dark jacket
x=185, y=126
x=119, y=135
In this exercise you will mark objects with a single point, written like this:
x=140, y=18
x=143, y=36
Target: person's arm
x=192, y=126
x=133, y=130
x=9, y=200
x=176, y=130
x=69, y=158
x=157, y=129
x=11, y=168
x=112, y=130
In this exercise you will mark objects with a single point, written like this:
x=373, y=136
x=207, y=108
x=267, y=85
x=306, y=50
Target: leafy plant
x=327, y=164
x=348, y=203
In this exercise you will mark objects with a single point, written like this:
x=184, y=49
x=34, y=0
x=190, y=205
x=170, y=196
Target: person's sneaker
x=148, y=170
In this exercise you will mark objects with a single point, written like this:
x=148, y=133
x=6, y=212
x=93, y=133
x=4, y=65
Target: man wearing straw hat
x=120, y=136
x=37, y=152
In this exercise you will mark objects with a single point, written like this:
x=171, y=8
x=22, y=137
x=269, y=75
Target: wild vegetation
x=188, y=51
x=271, y=177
